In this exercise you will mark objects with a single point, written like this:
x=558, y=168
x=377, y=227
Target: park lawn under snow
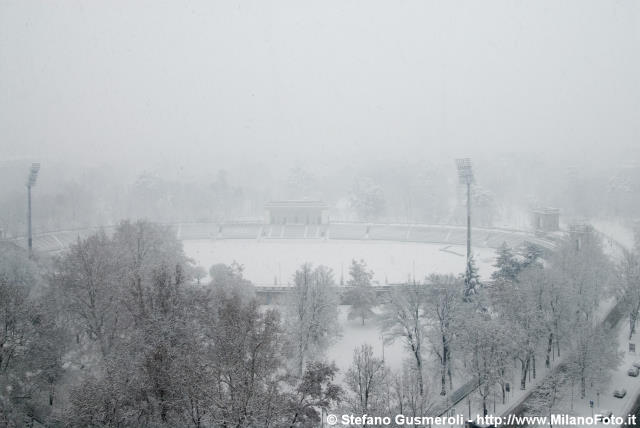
x=354, y=334
x=269, y=261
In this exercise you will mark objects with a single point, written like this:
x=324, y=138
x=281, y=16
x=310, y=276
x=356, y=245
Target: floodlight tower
x=465, y=174
x=31, y=181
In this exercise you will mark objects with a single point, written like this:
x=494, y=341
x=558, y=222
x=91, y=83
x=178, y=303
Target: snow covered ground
x=615, y=230
x=269, y=261
x=391, y=261
x=354, y=334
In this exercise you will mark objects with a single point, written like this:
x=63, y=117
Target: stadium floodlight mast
x=31, y=181
x=465, y=175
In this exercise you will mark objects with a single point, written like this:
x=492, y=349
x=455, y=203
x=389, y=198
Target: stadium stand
x=435, y=234
x=347, y=231
x=240, y=231
x=274, y=231
x=388, y=232
x=496, y=239
x=198, y=230
x=47, y=241
x=479, y=237
x=294, y=231
x=312, y=231
x=452, y=235
x=457, y=236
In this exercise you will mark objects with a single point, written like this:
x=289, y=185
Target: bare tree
x=629, y=288
x=311, y=313
x=366, y=379
x=404, y=395
x=517, y=308
x=594, y=355
x=229, y=280
x=315, y=390
x=405, y=318
x=88, y=278
x=485, y=351
x=142, y=249
x=444, y=312
x=32, y=341
x=18, y=277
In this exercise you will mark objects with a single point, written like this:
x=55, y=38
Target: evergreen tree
x=532, y=255
x=471, y=279
x=507, y=266
x=366, y=380
x=362, y=296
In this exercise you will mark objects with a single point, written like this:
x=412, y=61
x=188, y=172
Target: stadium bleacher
x=46, y=243
x=69, y=237
x=347, y=231
x=498, y=237
x=274, y=231
x=480, y=237
x=428, y=234
x=294, y=231
x=388, y=232
x=313, y=231
x=198, y=230
x=240, y=231
x=457, y=236
x=317, y=231
x=454, y=235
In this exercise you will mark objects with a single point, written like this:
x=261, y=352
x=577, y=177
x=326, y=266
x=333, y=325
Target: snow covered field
x=269, y=260
x=391, y=261
x=354, y=334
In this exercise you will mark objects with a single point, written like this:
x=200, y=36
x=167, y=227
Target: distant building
x=546, y=220
x=580, y=233
x=297, y=212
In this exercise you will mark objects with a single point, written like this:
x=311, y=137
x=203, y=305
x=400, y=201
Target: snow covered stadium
x=395, y=252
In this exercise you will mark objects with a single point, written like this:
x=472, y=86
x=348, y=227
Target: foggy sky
x=198, y=83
